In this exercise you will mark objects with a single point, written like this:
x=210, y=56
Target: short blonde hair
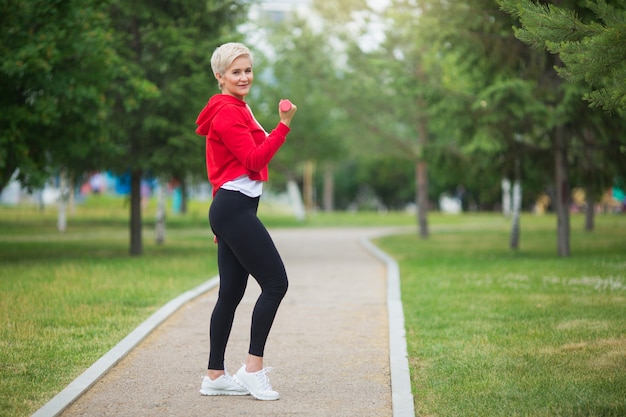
x=224, y=55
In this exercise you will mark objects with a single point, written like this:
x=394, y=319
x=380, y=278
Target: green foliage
x=496, y=333
x=57, y=61
x=96, y=84
x=592, y=50
x=383, y=178
x=595, y=144
x=302, y=69
x=339, y=11
x=166, y=50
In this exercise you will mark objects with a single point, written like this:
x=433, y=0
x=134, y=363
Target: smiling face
x=237, y=78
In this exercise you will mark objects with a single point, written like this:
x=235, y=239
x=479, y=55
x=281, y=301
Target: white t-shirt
x=245, y=185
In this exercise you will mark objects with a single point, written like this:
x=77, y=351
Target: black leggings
x=244, y=248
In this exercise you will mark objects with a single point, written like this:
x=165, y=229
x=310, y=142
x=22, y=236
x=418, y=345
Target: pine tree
x=592, y=50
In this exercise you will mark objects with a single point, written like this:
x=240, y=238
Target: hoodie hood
x=215, y=104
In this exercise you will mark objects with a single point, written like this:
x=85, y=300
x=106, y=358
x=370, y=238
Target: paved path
x=329, y=345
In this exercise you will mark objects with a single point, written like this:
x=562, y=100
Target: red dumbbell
x=285, y=105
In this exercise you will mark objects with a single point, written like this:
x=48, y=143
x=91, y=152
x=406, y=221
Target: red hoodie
x=235, y=143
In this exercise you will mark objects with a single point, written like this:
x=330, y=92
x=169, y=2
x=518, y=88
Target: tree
x=572, y=129
x=591, y=50
x=57, y=63
x=166, y=49
x=496, y=100
x=296, y=61
x=382, y=85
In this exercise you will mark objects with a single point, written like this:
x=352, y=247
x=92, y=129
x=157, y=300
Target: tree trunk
x=516, y=209
x=135, y=213
x=421, y=172
x=506, y=197
x=516, y=206
x=422, y=197
x=63, y=199
x=562, y=202
x=308, y=186
x=329, y=189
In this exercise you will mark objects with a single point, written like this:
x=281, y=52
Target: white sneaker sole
x=220, y=392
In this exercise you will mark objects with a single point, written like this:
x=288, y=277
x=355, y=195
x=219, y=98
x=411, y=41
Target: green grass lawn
x=69, y=298
x=492, y=332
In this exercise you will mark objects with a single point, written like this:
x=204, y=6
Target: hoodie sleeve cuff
x=282, y=129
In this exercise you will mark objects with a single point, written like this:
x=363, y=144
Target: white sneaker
x=257, y=383
x=223, y=385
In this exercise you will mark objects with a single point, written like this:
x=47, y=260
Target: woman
x=238, y=151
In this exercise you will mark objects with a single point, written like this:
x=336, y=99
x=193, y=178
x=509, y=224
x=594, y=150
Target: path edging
x=83, y=382
x=401, y=394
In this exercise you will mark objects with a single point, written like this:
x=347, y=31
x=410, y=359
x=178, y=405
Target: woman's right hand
x=286, y=116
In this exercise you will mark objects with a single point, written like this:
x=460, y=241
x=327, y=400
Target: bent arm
x=238, y=138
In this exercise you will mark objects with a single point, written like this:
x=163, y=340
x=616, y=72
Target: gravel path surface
x=329, y=345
